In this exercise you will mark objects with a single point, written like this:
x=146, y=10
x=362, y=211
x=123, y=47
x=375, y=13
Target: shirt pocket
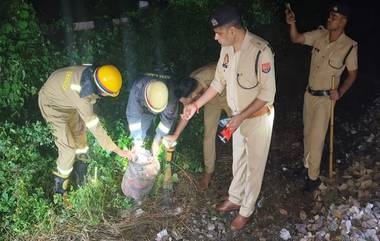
x=336, y=61
x=246, y=79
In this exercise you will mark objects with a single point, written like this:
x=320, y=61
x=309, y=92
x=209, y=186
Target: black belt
x=318, y=92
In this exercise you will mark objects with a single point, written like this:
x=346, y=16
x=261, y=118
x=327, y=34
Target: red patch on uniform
x=265, y=67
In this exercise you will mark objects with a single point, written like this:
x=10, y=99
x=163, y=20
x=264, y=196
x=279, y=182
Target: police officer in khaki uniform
x=333, y=51
x=66, y=102
x=212, y=112
x=246, y=69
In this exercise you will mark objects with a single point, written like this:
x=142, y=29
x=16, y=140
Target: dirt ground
x=192, y=215
x=280, y=205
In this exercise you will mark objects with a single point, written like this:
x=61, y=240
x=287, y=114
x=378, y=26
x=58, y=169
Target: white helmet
x=156, y=96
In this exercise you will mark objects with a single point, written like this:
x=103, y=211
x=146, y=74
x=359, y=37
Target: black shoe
x=79, y=173
x=311, y=185
x=301, y=173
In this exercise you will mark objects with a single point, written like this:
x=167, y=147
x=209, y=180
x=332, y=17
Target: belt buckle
x=326, y=92
x=318, y=92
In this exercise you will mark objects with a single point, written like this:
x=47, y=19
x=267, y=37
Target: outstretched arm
x=190, y=109
x=180, y=127
x=295, y=36
x=123, y=153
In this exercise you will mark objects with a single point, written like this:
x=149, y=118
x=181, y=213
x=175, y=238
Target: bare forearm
x=256, y=105
x=197, y=92
x=236, y=121
x=295, y=36
x=180, y=127
x=347, y=83
x=208, y=95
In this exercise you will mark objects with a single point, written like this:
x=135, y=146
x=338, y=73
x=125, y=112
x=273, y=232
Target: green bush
x=26, y=181
x=23, y=170
x=102, y=193
x=25, y=59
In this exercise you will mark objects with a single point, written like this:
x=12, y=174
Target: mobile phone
x=287, y=6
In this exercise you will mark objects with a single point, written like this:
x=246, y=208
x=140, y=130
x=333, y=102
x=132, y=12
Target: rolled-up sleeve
x=311, y=36
x=266, y=76
x=219, y=82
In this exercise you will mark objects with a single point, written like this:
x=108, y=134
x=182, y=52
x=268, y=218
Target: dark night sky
x=364, y=28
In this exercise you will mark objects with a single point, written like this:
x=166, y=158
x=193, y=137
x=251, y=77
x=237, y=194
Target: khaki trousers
x=211, y=117
x=251, y=144
x=316, y=116
x=69, y=131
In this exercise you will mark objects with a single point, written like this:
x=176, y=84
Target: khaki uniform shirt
x=62, y=91
x=327, y=58
x=237, y=71
x=204, y=76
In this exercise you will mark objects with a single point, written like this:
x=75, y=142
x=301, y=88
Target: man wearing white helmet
x=149, y=97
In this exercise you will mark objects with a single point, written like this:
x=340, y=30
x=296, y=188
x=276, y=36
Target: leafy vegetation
x=23, y=202
x=25, y=58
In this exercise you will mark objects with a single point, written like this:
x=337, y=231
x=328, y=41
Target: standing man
x=213, y=109
x=150, y=96
x=66, y=102
x=333, y=51
x=246, y=69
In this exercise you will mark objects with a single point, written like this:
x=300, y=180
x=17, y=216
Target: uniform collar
x=340, y=39
x=87, y=84
x=246, y=40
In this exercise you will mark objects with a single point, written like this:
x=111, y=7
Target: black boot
x=61, y=184
x=301, y=173
x=311, y=185
x=80, y=169
x=79, y=175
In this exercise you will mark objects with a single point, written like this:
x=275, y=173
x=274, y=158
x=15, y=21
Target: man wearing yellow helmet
x=150, y=96
x=66, y=102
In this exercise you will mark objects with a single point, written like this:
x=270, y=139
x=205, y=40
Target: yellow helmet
x=156, y=96
x=108, y=80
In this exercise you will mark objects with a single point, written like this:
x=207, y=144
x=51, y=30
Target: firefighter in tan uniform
x=246, y=69
x=333, y=51
x=212, y=112
x=66, y=102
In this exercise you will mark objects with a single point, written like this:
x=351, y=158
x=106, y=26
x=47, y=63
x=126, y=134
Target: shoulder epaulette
x=259, y=43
